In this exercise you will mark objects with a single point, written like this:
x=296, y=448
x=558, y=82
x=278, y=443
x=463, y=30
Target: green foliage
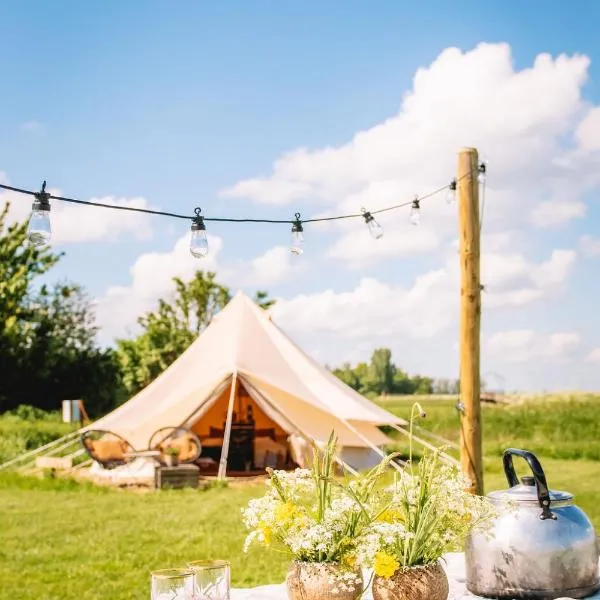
x=47, y=335
x=565, y=428
x=172, y=327
x=382, y=377
x=93, y=542
x=27, y=428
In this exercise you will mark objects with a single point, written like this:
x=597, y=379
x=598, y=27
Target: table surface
x=454, y=565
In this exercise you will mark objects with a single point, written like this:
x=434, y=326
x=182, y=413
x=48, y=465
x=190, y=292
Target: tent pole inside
x=227, y=433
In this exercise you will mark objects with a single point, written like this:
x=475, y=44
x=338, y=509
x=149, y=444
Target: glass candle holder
x=212, y=579
x=172, y=584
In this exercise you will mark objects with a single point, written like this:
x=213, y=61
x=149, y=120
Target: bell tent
x=243, y=372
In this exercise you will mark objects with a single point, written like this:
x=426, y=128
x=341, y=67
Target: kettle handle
x=543, y=493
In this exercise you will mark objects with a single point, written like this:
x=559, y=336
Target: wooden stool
x=181, y=476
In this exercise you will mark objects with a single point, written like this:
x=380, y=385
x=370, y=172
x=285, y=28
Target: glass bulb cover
x=375, y=229
x=415, y=216
x=481, y=177
x=39, y=230
x=297, y=246
x=451, y=196
x=199, y=243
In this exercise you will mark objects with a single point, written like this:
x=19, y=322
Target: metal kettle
x=540, y=545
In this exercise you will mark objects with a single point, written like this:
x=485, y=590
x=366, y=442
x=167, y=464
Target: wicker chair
x=106, y=448
x=182, y=438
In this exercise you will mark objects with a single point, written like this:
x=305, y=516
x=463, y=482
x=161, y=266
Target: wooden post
x=470, y=318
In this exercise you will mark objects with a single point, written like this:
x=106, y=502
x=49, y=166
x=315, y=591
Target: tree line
x=382, y=377
x=48, y=337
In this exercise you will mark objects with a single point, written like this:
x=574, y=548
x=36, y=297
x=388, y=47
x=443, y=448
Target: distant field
x=559, y=426
x=61, y=540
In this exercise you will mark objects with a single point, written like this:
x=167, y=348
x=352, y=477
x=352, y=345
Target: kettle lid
x=526, y=492
x=532, y=489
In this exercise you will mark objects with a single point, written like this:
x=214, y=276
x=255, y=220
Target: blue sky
x=173, y=103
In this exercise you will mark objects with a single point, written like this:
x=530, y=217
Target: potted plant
x=316, y=518
x=171, y=455
x=424, y=514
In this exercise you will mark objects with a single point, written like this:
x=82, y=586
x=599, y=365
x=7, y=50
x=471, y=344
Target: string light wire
x=173, y=215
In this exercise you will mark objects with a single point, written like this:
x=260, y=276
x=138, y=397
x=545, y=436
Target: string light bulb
x=451, y=195
x=39, y=230
x=375, y=229
x=297, y=246
x=415, y=212
x=198, y=239
x=482, y=172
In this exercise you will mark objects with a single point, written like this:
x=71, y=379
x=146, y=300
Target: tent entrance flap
x=257, y=436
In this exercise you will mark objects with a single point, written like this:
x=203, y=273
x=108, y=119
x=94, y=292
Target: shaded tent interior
x=254, y=399
x=256, y=441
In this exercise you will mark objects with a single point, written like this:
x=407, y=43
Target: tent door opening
x=256, y=440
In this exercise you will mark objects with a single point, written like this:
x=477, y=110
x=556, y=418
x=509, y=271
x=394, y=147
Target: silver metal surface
x=527, y=556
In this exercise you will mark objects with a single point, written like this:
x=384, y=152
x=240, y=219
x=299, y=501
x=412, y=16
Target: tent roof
x=243, y=339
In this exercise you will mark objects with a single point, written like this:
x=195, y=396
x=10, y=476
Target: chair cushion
x=108, y=450
x=186, y=445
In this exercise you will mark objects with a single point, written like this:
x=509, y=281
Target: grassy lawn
x=63, y=540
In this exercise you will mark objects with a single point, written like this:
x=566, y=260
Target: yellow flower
x=390, y=515
x=285, y=512
x=349, y=561
x=267, y=533
x=385, y=564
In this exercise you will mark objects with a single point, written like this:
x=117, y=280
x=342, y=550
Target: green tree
x=348, y=375
x=169, y=330
x=380, y=374
x=47, y=335
x=20, y=265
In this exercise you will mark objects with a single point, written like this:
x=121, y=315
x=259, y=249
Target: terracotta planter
x=427, y=582
x=323, y=581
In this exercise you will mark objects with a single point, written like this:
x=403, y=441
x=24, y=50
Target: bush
x=27, y=428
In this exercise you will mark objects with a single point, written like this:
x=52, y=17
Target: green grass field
x=65, y=540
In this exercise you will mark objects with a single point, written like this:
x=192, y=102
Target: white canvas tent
x=243, y=353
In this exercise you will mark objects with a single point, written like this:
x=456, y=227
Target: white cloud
x=374, y=310
x=275, y=265
x=553, y=213
x=594, y=355
x=519, y=119
x=590, y=246
x=511, y=280
x=76, y=224
x=359, y=249
x=588, y=131
x=460, y=96
x=151, y=278
x=153, y=272
x=522, y=345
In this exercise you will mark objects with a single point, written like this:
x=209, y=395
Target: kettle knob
x=528, y=480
